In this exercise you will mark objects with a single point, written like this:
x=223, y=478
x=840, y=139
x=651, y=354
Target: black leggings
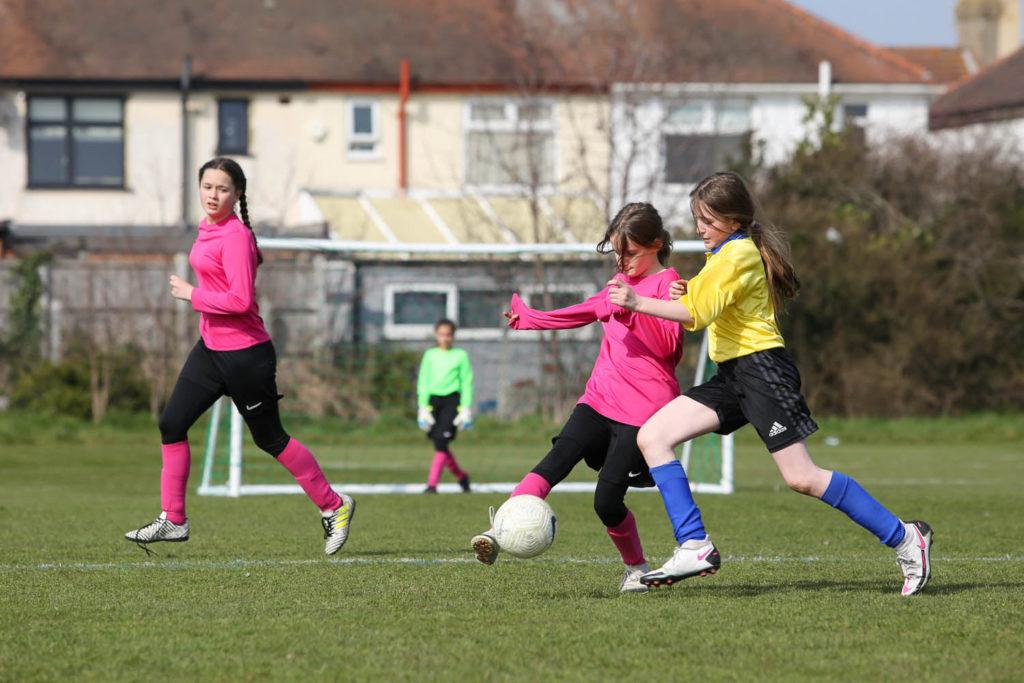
x=608, y=447
x=248, y=376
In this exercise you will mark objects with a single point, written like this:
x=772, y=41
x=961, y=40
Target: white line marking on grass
x=378, y=561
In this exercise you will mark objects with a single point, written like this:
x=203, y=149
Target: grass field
x=803, y=593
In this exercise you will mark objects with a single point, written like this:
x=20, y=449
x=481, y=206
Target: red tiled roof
x=995, y=93
x=457, y=43
x=945, y=64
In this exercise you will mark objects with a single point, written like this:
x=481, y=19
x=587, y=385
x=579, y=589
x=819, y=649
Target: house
x=990, y=103
x=447, y=152
x=739, y=85
x=421, y=132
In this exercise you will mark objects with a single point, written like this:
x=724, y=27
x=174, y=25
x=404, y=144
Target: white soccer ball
x=524, y=526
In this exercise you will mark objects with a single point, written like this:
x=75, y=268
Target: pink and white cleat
x=913, y=555
x=692, y=558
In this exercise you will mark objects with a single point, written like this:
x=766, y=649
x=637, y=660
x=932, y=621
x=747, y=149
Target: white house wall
x=777, y=127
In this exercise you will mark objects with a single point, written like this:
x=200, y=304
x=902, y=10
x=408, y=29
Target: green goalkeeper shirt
x=445, y=372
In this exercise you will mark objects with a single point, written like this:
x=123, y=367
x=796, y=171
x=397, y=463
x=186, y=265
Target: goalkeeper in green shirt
x=444, y=393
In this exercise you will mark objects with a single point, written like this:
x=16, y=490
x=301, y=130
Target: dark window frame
x=243, y=150
x=69, y=122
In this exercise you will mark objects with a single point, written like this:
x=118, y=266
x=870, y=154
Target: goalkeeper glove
x=425, y=419
x=464, y=420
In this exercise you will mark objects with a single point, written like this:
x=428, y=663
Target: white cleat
x=337, y=523
x=160, y=529
x=485, y=545
x=693, y=558
x=914, y=556
x=631, y=579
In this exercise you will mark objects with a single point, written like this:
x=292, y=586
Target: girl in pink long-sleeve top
x=633, y=377
x=235, y=357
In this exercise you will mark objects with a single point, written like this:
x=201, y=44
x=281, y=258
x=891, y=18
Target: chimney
x=990, y=29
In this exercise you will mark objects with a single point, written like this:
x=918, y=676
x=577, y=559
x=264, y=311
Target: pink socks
x=627, y=539
x=453, y=467
x=435, y=468
x=532, y=485
x=174, y=479
x=441, y=460
x=297, y=459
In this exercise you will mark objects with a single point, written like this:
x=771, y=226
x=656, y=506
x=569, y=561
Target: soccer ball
x=524, y=526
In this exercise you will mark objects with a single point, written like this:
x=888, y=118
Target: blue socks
x=844, y=493
x=675, y=493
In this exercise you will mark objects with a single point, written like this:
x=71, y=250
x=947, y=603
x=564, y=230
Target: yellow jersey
x=730, y=297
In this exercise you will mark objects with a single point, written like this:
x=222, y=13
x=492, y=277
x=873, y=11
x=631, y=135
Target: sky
x=890, y=22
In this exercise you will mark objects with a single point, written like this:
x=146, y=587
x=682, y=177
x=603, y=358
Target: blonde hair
x=727, y=196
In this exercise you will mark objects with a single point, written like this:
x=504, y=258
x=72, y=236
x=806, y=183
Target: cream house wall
x=297, y=141
x=151, y=196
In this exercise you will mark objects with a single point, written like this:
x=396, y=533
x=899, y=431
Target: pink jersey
x=634, y=374
x=224, y=259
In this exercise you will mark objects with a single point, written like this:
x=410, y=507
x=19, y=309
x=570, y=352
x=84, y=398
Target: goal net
x=227, y=471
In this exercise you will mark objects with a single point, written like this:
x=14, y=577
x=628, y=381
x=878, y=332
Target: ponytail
x=778, y=264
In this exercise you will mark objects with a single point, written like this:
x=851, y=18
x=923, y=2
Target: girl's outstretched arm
x=522, y=317
x=621, y=294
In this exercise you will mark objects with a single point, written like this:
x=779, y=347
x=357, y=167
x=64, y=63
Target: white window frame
x=393, y=330
x=362, y=138
x=510, y=124
x=528, y=292
x=709, y=126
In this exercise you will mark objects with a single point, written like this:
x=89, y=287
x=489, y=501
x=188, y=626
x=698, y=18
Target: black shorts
x=445, y=408
x=248, y=376
x=762, y=389
x=607, y=446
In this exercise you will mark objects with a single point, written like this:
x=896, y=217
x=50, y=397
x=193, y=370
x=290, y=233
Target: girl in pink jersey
x=634, y=376
x=235, y=357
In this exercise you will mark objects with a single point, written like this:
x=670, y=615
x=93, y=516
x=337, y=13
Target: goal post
x=708, y=460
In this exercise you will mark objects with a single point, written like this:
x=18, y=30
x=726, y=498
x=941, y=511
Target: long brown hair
x=231, y=167
x=727, y=196
x=641, y=223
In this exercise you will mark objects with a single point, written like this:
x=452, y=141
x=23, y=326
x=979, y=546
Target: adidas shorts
x=763, y=389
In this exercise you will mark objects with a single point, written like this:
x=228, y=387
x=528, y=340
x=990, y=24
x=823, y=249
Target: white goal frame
x=235, y=487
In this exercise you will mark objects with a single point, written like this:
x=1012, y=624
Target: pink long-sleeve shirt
x=634, y=374
x=224, y=260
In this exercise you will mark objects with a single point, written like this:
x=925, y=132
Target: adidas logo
x=776, y=429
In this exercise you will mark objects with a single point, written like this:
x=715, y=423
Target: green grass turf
x=803, y=593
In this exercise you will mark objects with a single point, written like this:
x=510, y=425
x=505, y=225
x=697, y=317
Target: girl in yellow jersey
x=736, y=295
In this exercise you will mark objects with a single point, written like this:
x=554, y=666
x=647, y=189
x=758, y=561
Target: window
x=362, y=130
x=410, y=311
x=481, y=309
x=704, y=136
x=510, y=143
x=855, y=120
x=233, y=126
x=76, y=142
x=689, y=158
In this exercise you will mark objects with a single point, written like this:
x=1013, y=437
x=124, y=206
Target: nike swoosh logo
x=254, y=406
x=700, y=557
x=635, y=474
x=920, y=538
